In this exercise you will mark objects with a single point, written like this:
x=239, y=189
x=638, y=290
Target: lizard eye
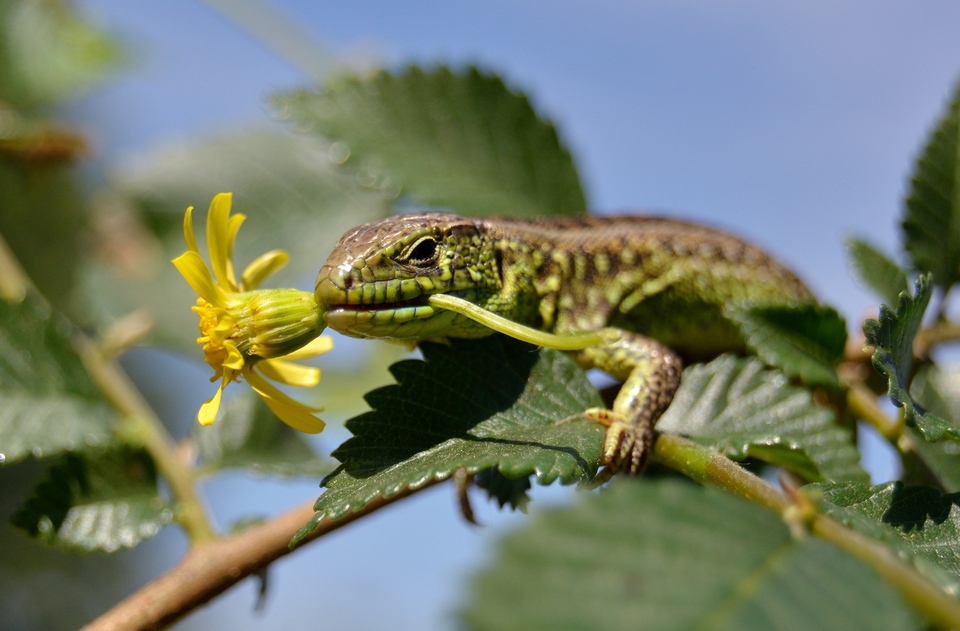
x=424, y=253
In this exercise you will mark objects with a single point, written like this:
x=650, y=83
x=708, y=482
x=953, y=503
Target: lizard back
x=665, y=278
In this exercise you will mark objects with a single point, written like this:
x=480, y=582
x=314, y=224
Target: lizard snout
x=333, y=284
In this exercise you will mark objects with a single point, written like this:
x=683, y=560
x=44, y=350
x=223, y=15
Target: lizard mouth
x=399, y=305
x=376, y=320
x=381, y=306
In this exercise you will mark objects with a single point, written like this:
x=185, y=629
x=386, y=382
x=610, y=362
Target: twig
x=141, y=426
x=937, y=333
x=214, y=566
x=139, y=423
x=700, y=463
x=864, y=404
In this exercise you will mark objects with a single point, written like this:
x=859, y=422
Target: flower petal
x=267, y=390
x=290, y=373
x=317, y=346
x=295, y=418
x=234, y=358
x=195, y=272
x=263, y=266
x=208, y=411
x=291, y=412
x=233, y=228
x=218, y=239
x=188, y=235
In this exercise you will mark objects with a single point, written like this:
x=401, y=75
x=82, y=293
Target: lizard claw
x=625, y=446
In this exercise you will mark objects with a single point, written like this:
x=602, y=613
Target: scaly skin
x=664, y=283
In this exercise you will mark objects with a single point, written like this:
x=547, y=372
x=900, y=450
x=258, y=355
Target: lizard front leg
x=651, y=373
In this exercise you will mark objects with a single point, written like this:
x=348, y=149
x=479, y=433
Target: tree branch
x=141, y=426
x=703, y=464
x=212, y=567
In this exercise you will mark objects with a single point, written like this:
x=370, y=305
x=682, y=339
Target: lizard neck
x=519, y=265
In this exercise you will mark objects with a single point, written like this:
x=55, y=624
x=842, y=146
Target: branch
x=139, y=424
x=705, y=465
x=212, y=567
x=938, y=333
x=863, y=403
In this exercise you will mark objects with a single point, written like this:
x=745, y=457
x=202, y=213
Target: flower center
x=254, y=325
x=217, y=337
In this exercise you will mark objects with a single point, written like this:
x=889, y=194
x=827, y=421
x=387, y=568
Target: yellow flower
x=251, y=333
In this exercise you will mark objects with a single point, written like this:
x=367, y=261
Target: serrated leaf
x=461, y=140
x=99, y=501
x=669, y=555
x=937, y=388
x=504, y=407
x=892, y=336
x=48, y=404
x=920, y=523
x=931, y=219
x=250, y=436
x=506, y=491
x=49, y=54
x=746, y=410
x=804, y=341
x=292, y=194
x=876, y=270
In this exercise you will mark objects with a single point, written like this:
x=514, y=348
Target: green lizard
x=657, y=287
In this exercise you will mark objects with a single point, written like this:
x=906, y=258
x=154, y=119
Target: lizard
x=660, y=285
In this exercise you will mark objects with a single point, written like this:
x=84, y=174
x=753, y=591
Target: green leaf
x=669, y=555
x=292, y=194
x=48, y=404
x=920, y=523
x=473, y=405
x=49, y=54
x=876, y=270
x=250, y=436
x=931, y=220
x=893, y=337
x=804, y=341
x=506, y=491
x=42, y=220
x=99, y=501
x=746, y=410
x=937, y=388
x=460, y=140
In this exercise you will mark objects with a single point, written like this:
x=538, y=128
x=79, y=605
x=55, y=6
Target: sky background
x=792, y=124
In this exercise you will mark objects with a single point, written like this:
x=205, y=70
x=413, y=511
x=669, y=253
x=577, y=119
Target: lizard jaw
x=407, y=320
x=348, y=316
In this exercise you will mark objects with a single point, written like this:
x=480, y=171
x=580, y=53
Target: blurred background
x=793, y=125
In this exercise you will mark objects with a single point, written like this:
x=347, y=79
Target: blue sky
x=791, y=123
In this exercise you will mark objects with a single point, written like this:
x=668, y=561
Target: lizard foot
x=626, y=446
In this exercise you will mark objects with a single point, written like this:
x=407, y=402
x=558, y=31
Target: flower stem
x=705, y=465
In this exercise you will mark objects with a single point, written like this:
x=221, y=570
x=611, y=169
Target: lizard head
x=376, y=280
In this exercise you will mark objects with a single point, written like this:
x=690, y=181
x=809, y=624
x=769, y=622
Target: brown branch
x=212, y=567
x=934, y=335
